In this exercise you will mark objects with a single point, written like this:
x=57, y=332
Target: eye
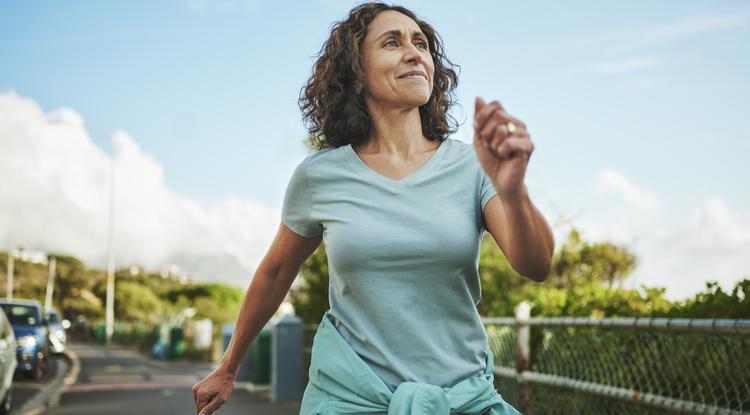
x=424, y=45
x=389, y=42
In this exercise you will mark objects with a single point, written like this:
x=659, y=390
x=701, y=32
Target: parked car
x=31, y=333
x=57, y=337
x=8, y=363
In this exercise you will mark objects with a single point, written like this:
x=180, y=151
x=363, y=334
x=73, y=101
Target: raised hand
x=503, y=154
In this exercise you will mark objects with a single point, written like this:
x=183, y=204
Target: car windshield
x=21, y=315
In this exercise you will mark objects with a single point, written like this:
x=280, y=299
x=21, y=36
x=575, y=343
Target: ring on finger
x=511, y=127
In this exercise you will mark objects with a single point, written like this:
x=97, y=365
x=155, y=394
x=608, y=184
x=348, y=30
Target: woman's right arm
x=267, y=290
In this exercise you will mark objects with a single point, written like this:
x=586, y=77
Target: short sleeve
x=298, y=203
x=486, y=192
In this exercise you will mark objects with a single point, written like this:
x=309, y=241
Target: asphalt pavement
x=117, y=381
x=25, y=388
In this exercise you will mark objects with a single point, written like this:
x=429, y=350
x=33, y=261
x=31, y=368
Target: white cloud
x=627, y=65
x=654, y=35
x=693, y=25
x=610, y=180
x=712, y=245
x=54, y=197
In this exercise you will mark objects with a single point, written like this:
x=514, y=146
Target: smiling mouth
x=413, y=77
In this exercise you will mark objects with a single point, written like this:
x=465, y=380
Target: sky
x=639, y=113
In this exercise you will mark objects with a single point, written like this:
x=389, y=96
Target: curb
x=50, y=396
x=252, y=387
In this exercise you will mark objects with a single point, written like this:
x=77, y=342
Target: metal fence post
x=286, y=359
x=523, y=354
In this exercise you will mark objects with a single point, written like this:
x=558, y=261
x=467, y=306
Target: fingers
x=497, y=136
x=490, y=127
x=478, y=104
x=481, y=116
x=200, y=403
x=212, y=406
x=513, y=147
x=202, y=399
x=486, y=117
x=497, y=120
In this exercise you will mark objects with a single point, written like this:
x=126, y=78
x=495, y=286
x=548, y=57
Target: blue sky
x=639, y=111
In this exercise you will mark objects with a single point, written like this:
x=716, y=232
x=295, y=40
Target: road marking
x=124, y=378
x=113, y=369
x=99, y=387
x=175, y=378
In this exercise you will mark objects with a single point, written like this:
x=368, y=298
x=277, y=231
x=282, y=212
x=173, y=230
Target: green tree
x=135, y=303
x=578, y=261
x=216, y=301
x=500, y=283
x=713, y=302
x=310, y=298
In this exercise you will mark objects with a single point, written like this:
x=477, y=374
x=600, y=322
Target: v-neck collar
x=364, y=169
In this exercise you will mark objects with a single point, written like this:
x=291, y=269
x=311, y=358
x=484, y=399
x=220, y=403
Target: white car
x=8, y=363
x=56, y=327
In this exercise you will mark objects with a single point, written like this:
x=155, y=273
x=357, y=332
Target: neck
x=396, y=132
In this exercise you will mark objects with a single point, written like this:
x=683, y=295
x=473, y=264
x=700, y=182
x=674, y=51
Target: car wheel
x=7, y=402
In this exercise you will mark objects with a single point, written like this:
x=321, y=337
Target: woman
x=402, y=208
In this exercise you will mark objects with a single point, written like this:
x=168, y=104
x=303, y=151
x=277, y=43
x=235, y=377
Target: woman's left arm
x=514, y=222
x=522, y=233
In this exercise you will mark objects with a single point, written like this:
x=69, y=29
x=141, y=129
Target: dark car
x=31, y=334
x=7, y=363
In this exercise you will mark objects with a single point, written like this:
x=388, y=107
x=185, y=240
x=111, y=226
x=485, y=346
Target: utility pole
x=50, y=283
x=110, y=312
x=9, y=286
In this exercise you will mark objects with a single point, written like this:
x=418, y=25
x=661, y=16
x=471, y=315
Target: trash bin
x=100, y=333
x=176, y=342
x=259, y=358
x=256, y=365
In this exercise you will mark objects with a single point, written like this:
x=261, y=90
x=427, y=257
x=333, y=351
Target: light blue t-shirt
x=402, y=258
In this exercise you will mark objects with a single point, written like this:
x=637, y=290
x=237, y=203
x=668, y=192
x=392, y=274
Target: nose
x=412, y=54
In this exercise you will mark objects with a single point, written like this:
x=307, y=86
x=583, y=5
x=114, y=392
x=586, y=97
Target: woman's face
x=393, y=47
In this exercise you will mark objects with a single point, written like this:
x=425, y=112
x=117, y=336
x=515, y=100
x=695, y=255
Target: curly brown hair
x=335, y=113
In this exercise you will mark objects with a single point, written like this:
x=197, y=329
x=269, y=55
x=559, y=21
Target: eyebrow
x=397, y=33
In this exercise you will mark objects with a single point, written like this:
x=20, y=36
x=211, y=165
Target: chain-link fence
x=569, y=365
x=622, y=366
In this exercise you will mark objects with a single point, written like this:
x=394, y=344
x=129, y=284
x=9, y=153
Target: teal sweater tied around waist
x=342, y=383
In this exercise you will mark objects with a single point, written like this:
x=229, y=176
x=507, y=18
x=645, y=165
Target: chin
x=417, y=101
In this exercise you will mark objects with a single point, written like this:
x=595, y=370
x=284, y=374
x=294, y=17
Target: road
x=121, y=381
x=24, y=388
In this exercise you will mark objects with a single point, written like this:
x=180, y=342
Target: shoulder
x=320, y=156
x=459, y=147
x=461, y=153
x=320, y=159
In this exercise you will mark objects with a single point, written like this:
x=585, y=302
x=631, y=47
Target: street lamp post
x=110, y=312
x=50, y=283
x=110, y=300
